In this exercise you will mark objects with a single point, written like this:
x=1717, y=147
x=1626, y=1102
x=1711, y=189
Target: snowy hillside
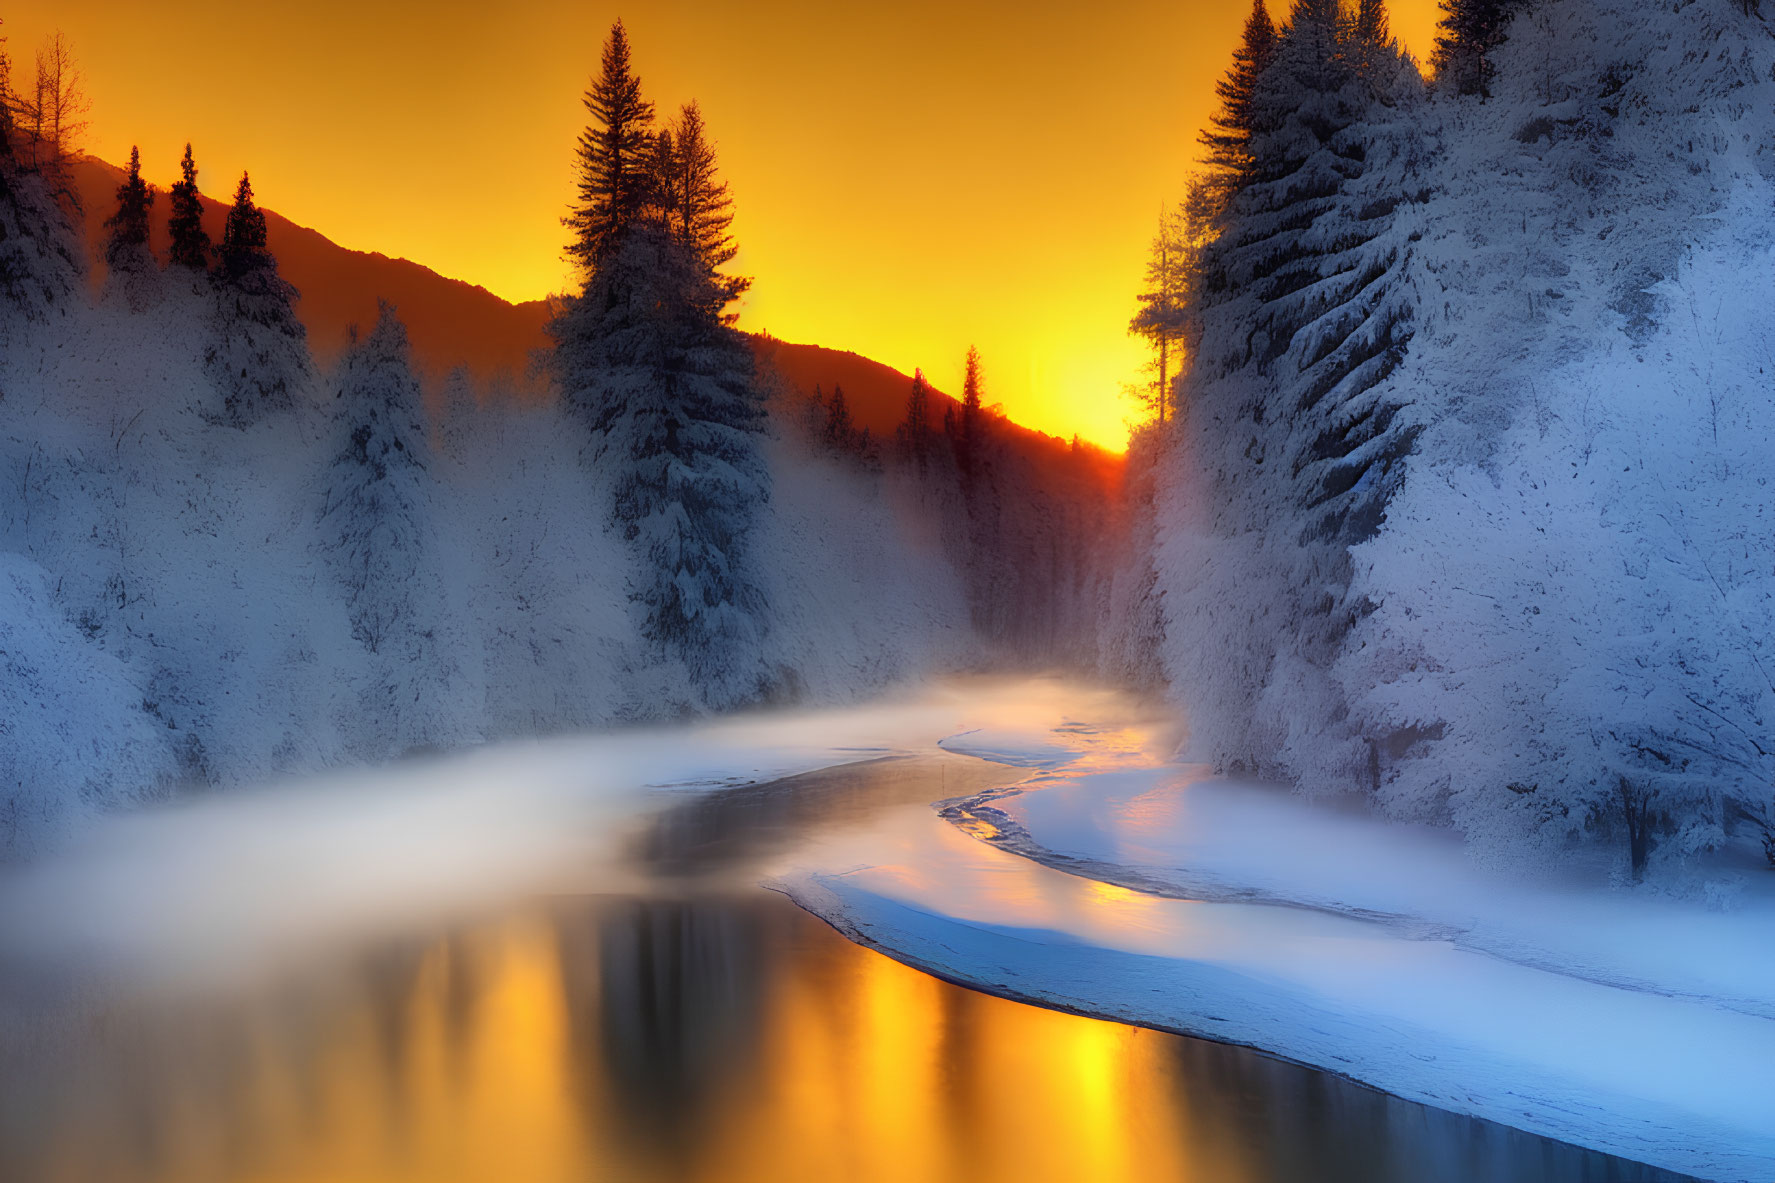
x=1510, y=564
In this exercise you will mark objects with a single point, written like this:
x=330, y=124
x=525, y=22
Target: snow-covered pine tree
x=190, y=241
x=379, y=536
x=260, y=355
x=1298, y=441
x=645, y=354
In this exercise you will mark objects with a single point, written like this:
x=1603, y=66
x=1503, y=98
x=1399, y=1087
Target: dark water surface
x=705, y=1030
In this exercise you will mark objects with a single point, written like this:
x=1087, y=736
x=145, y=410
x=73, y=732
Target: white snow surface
x=1123, y=886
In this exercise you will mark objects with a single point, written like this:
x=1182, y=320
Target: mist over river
x=605, y=991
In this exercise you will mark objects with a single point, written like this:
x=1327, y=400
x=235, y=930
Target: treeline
x=1034, y=525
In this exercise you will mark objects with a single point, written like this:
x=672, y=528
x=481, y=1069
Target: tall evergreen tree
x=1305, y=310
x=260, y=356
x=1228, y=138
x=191, y=242
x=645, y=356
x=616, y=156
x=127, y=246
x=695, y=201
x=1470, y=32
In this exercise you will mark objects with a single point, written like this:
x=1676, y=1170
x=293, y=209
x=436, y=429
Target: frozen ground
x=1115, y=884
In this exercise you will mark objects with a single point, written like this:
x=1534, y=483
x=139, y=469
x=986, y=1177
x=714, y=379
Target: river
x=678, y=1022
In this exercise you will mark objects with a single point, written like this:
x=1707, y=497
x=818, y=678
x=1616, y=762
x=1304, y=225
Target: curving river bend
x=671, y=1022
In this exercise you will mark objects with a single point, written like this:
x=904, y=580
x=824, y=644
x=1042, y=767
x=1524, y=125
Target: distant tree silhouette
x=616, y=156
x=191, y=242
x=1471, y=31
x=1228, y=139
x=970, y=393
x=127, y=246
x=840, y=432
x=970, y=420
x=694, y=200
x=915, y=431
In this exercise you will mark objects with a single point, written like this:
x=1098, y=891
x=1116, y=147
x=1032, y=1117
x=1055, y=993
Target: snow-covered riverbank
x=1114, y=884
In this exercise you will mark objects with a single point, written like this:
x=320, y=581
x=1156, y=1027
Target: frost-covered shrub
x=1585, y=618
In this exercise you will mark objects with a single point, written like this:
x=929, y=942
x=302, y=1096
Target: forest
x=1458, y=486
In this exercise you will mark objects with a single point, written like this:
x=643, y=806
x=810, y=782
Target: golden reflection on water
x=616, y=1041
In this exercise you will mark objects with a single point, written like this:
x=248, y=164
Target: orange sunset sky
x=910, y=177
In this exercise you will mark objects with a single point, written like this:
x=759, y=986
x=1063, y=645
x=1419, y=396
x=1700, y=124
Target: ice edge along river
x=1458, y=989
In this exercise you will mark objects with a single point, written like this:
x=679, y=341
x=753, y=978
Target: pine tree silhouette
x=128, y=242
x=916, y=430
x=1228, y=139
x=970, y=392
x=616, y=156
x=971, y=420
x=840, y=432
x=191, y=242
x=695, y=201
x=243, y=236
